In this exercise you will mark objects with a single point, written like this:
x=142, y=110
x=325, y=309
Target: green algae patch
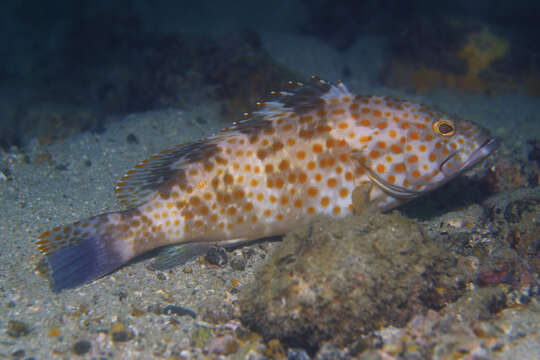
x=338, y=279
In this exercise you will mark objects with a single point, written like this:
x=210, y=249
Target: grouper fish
x=314, y=149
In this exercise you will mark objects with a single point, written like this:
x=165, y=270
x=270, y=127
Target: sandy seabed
x=75, y=179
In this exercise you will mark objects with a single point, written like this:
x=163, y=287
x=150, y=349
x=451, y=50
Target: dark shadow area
x=457, y=194
x=198, y=252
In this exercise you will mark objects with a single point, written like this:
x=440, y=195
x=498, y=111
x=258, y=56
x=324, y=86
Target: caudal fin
x=81, y=252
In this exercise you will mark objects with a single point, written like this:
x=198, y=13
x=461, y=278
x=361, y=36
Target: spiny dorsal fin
x=299, y=98
x=302, y=98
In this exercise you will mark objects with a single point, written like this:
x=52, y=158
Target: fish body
x=315, y=149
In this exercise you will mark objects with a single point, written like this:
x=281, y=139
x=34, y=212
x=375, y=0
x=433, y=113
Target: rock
x=472, y=327
x=122, y=336
x=297, y=354
x=222, y=345
x=238, y=263
x=17, y=329
x=81, y=347
x=216, y=256
x=200, y=336
x=132, y=139
x=119, y=333
x=481, y=304
x=329, y=351
x=515, y=215
x=18, y=354
x=337, y=279
x=179, y=310
x=274, y=349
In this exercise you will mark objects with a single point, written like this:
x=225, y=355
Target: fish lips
x=489, y=145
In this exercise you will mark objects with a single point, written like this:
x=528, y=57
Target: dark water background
x=72, y=66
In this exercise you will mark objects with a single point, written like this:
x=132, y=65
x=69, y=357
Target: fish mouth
x=484, y=150
x=489, y=145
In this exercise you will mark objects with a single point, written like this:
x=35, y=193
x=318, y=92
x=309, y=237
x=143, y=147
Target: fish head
x=420, y=155
x=459, y=145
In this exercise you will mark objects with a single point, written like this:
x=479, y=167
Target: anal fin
x=360, y=198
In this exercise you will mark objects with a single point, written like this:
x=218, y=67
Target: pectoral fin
x=360, y=198
x=175, y=255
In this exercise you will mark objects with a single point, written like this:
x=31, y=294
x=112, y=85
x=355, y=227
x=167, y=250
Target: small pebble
x=44, y=157
x=216, y=256
x=392, y=349
x=4, y=175
x=222, y=345
x=117, y=326
x=18, y=354
x=248, y=252
x=297, y=354
x=154, y=308
x=119, y=333
x=274, y=349
x=62, y=167
x=161, y=276
x=163, y=294
x=83, y=309
x=122, y=336
x=132, y=139
x=179, y=310
x=238, y=263
x=81, y=347
x=121, y=295
x=53, y=331
x=16, y=329
x=200, y=336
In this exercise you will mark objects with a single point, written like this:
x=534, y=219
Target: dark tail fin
x=81, y=252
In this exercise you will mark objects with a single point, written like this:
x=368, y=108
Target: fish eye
x=444, y=128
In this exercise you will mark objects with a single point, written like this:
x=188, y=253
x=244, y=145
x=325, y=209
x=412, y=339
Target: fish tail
x=84, y=250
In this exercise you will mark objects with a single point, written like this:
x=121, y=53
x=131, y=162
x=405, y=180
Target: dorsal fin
x=302, y=98
x=140, y=183
x=145, y=179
